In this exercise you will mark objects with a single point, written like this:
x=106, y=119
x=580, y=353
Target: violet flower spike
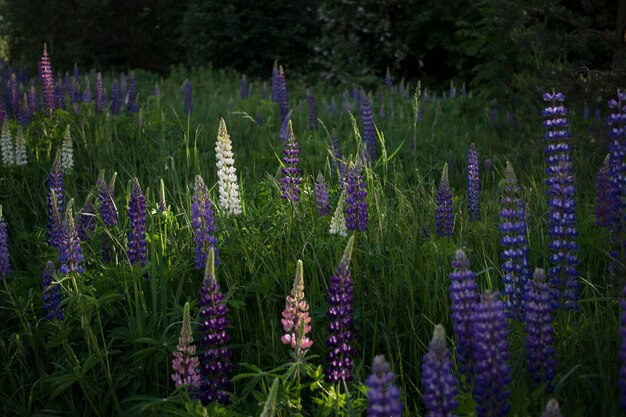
x=473, y=184
x=55, y=202
x=444, y=219
x=51, y=294
x=312, y=106
x=440, y=385
x=100, y=100
x=70, y=252
x=622, y=352
x=5, y=262
x=382, y=394
x=340, y=297
x=296, y=320
x=202, y=223
x=283, y=101
x=215, y=357
x=291, y=180
x=321, y=196
x=108, y=210
x=369, y=130
x=356, y=191
x=603, y=195
x=185, y=363
x=137, y=244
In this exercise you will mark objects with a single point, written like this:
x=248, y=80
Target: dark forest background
x=501, y=48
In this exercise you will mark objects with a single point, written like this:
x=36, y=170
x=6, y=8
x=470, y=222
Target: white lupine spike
x=6, y=143
x=338, y=221
x=226, y=172
x=67, y=152
x=20, y=148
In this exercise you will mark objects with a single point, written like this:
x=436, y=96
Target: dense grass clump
x=102, y=342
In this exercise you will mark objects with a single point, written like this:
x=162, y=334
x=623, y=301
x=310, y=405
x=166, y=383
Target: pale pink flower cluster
x=296, y=319
x=185, y=363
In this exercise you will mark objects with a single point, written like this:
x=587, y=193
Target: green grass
x=111, y=355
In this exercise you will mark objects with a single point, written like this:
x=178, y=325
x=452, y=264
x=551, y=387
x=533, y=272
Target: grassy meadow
x=112, y=352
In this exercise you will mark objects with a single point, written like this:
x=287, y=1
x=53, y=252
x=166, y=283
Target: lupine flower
x=338, y=221
x=491, y=356
x=540, y=340
x=131, y=106
x=603, y=195
x=47, y=81
x=444, y=220
x=51, y=294
x=296, y=320
x=100, y=100
x=290, y=188
x=561, y=217
x=137, y=249
x=20, y=148
x=202, y=222
x=187, y=97
x=340, y=297
x=115, y=98
x=5, y=262
x=617, y=174
x=356, y=206
x=226, y=172
x=108, y=210
x=67, y=152
x=622, y=352
x=312, y=105
x=440, y=386
x=473, y=184
x=283, y=134
x=244, y=90
x=382, y=394
x=6, y=145
x=552, y=409
x=123, y=87
x=515, y=251
x=55, y=202
x=70, y=252
x=185, y=363
x=86, y=219
x=87, y=92
x=215, y=359
x=321, y=196
x=283, y=101
x=13, y=96
x=369, y=131
x=463, y=298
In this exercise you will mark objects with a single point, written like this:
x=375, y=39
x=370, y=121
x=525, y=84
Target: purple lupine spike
x=215, y=359
x=187, y=97
x=51, y=294
x=369, y=131
x=622, y=352
x=108, y=210
x=440, y=385
x=136, y=247
x=244, y=88
x=312, y=106
x=131, y=106
x=491, y=357
x=275, y=82
x=514, y=248
x=202, y=223
x=552, y=409
x=473, y=184
x=86, y=92
x=444, y=219
x=356, y=192
x=382, y=394
x=13, y=95
x=100, y=100
x=283, y=100
x=296, y=320
x=123, y=87
x=283, y=134
x=617, y=173
x=70, y=252
x=3, y=112
x=561, y=217
x=336, y=151
x=5, y=262
x=291, y=180
x=538, y=323
x=86, y=219
x=321, y=196
x=33, y=98
x=55, y=202
x=115, y=98
x=463, y=298
x=185, y=363
x=340, y=297
x=603, y=195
